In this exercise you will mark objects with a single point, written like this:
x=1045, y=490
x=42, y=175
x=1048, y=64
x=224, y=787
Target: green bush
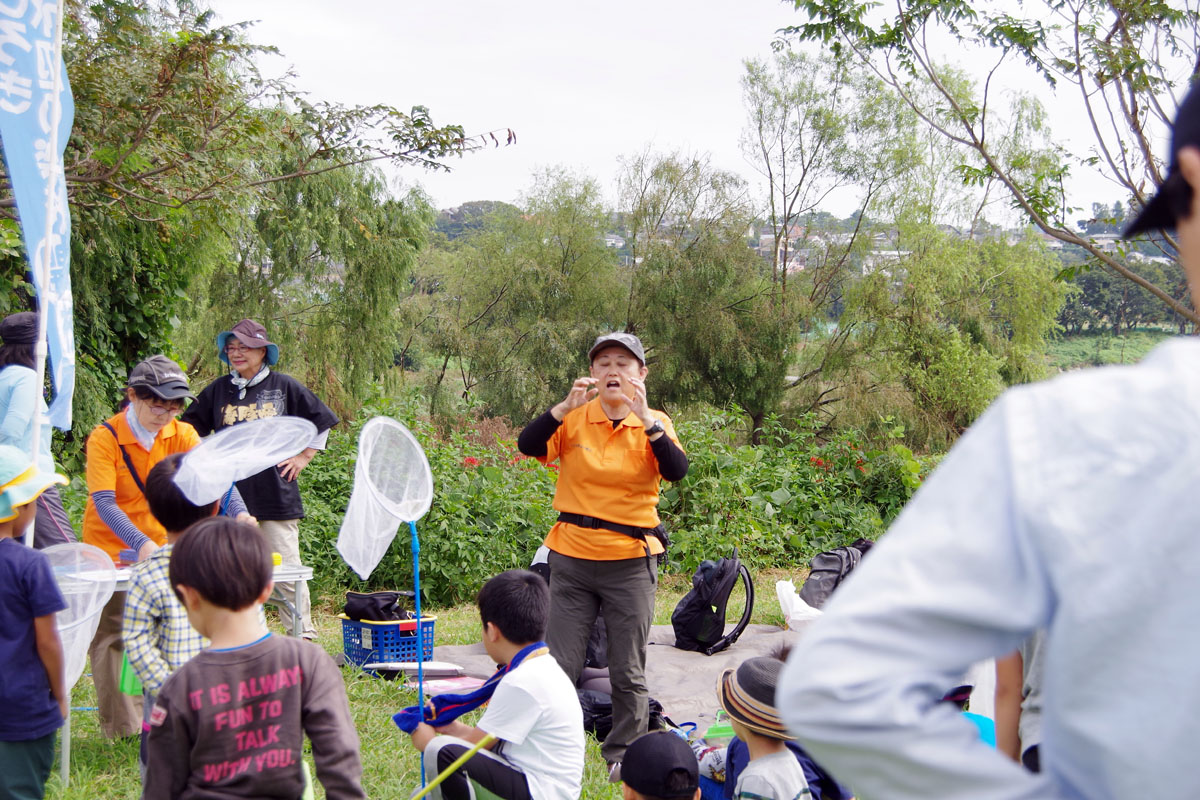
x=784, y=500
x=778, y=502
x=491, y=510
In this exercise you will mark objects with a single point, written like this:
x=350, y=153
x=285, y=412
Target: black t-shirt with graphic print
x=268, y=496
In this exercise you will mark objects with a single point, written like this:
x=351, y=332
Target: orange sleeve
x=101, y=461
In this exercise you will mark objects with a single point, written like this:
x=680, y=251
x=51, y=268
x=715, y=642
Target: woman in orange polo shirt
x=613, y=450
x=121, y=451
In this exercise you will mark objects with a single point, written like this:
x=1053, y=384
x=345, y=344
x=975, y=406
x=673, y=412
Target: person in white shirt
x=1070, y=505
x=534, y=713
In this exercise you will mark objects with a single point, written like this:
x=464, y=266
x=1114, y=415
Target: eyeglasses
x=157, y=404
x=238, y=347
x=165, y=407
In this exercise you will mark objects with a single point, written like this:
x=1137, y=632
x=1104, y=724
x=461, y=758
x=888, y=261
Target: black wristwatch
x=657, y=427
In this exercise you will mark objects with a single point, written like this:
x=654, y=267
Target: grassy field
x=1096, y=349
x=103, y=769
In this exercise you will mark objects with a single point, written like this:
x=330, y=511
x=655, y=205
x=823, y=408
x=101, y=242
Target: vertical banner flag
x=36, y=113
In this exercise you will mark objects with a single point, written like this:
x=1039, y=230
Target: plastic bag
x=797, y=612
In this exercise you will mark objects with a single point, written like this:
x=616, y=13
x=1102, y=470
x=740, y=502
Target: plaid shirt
x=158, y=637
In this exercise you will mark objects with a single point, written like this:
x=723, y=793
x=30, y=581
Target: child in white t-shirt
x=534, y=714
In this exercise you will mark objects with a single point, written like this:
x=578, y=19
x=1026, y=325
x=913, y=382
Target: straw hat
x=748, y=695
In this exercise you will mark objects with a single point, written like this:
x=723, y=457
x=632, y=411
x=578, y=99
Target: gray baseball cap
x=627, y=340
x=162, y=376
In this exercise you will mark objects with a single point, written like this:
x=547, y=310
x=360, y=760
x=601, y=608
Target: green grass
x=1096, y=349
x=102, y=768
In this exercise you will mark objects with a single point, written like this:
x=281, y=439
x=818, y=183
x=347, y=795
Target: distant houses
x=803, y=246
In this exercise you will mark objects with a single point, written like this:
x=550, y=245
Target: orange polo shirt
x=608, y=473
x=106, y=471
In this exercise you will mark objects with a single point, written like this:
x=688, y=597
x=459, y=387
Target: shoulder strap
x=732, y=636
x=128, y=461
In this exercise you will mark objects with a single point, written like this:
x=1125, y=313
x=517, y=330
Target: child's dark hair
x=518, y=603
x=226, y=561
x=168, y=503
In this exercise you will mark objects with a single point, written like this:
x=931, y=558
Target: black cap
x=20, y=328
x=162, y=376
x=1173, y=200
x=651, y=760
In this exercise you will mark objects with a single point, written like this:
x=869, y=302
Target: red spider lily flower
x=470, y=461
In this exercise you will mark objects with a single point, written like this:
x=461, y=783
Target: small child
x=230, y=723
x=33, y=690
x=748, y=697
x=660, y=766
x=534, y=712
x=157, y=635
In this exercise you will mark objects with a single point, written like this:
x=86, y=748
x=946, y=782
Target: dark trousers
x=51, y=526
x=484, y=768
x=624, y=592
x=25, y=766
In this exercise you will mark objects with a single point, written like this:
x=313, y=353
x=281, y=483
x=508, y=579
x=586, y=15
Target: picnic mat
x=683, y=681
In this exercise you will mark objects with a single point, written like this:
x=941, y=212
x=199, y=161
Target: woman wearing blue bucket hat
x=20, y=403
x=253, y=390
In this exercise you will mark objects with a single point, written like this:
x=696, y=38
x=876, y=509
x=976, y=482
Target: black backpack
x=829, y=569
x=699, y=619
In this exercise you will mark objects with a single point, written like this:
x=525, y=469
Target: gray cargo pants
x=624, y=592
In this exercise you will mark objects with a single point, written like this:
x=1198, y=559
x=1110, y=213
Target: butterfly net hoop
x=392, y=484
x=239, y=451
x=86, y=577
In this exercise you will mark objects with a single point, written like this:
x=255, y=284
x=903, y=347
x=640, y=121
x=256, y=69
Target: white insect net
x=239, y=451
x=86, y=577
x=392, y=484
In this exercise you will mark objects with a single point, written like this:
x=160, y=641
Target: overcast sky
x=580, y=83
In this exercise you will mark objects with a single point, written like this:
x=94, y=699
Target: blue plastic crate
x=366, y=641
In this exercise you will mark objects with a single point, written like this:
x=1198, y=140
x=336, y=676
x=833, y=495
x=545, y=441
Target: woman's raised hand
x=637, y=403
x=583, y=390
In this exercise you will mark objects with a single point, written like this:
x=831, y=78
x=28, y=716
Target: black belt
x=659, y=532
x=615, y=527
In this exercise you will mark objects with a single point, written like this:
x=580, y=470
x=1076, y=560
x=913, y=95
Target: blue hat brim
x=26, y=492
x=223, y=337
